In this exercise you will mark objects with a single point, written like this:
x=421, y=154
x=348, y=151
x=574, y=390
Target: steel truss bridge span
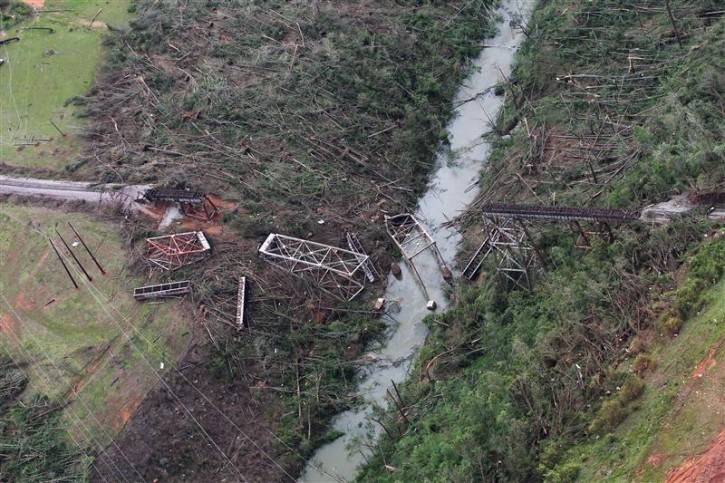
x=557, y=213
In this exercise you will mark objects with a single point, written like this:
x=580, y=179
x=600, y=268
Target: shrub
x=669, y=324
x=566, y=473
x=609, y=416
x=643, y=364
x=638, y=346
x=631, y=390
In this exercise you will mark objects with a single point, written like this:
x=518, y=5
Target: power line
x=28, y=356
x=97, y=297
x=130, y=340
x=92, y=289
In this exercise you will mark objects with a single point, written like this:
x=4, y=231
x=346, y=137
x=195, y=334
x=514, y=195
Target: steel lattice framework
x=336, y=271
x=412, y=239
x=509, y=242
x=171, y=252
x=163, y=290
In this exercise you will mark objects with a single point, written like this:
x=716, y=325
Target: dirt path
x=662, y=212
x=708, y=467
x=73, y=191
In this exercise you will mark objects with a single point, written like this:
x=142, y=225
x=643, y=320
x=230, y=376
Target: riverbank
x=451, y=188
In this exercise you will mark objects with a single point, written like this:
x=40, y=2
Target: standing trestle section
x=334, y=270
x=507, y=241
x=412, y=239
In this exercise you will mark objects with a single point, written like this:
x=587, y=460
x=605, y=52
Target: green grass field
x=75, y=340
x=43, y=71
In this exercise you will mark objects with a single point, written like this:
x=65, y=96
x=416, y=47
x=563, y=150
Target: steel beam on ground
x=241, y=301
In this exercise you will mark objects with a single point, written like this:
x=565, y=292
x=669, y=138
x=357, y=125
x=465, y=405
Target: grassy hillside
x=681, y=410
x=611, y=105
x=70, y=337
x=53, y=63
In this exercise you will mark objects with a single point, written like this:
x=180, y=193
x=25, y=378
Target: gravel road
x=73, y=191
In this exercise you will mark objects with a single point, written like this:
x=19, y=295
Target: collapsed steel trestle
x=412, y=239
x=336, y=271
x=174, y=251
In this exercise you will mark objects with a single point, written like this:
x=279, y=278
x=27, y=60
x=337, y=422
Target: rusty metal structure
x=194, y=204
x=508, y=240
x=171, y=252
x=334, y=270
x=162, y=290
x=412, y=239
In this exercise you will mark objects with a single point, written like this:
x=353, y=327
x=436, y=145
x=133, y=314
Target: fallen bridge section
x=194, y=204
x=334, y=270
x=163, y=290
x=174, y=251
x=179, y=196
x=412, y=239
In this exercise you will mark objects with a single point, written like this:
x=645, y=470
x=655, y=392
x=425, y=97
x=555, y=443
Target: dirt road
x=73, y=191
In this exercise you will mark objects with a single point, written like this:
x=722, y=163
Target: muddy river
x=452, y=186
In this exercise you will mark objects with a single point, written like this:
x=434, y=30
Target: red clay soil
x=706, y=468
x=8, y=326
x=35, y=3
x=22, y=302
x=705, y=364
x=214, y=226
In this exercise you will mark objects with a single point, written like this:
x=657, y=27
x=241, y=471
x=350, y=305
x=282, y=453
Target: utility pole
x=90, y=279
x=87, y=249
x=63, y=263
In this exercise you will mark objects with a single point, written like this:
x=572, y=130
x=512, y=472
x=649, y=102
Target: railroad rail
x=557, y=213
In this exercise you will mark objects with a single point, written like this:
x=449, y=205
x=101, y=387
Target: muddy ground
x=163, y=441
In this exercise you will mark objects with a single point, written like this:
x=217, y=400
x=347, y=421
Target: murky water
x=452, y=187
